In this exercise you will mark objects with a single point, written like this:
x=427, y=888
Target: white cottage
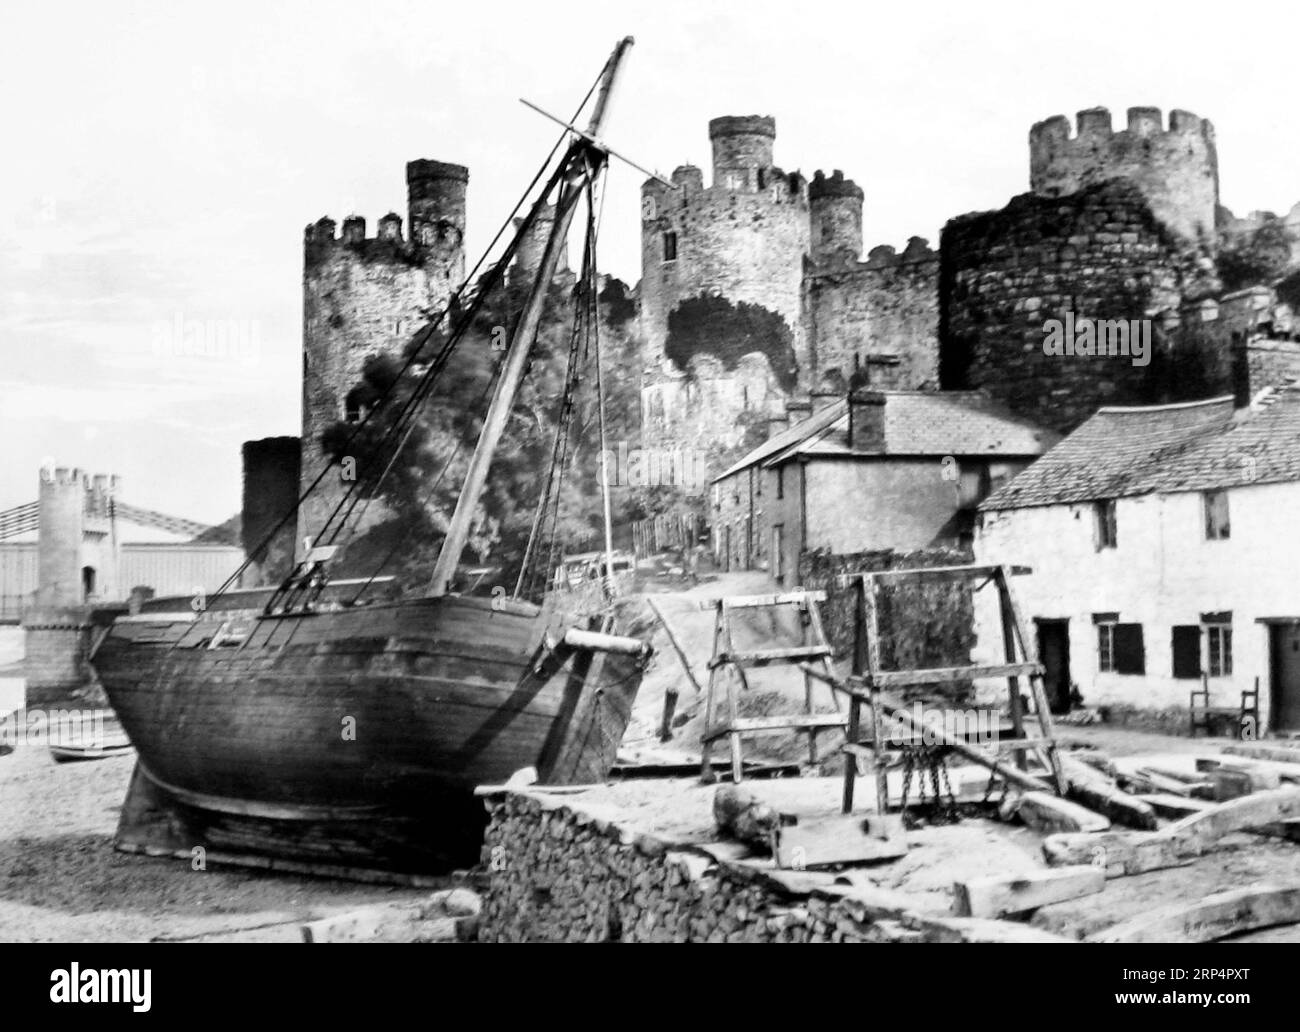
x=1165, y=545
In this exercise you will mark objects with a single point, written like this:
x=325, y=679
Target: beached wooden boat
x=322, y=730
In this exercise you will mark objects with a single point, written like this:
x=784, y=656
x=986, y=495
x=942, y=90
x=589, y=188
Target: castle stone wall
x=885, y=308
x=366, y=295
x=1099, y=253
x=1176, y=168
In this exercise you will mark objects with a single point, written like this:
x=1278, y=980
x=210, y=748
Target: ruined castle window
x=762, y=180
x=670, y=246
x=1216, y=515
x=353, y=410
x=1107, y=532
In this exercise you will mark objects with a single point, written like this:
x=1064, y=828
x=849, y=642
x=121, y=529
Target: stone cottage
x=1163, y=551
x=868, y=471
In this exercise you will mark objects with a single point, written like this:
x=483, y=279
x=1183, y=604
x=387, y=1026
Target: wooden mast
x=584, y=158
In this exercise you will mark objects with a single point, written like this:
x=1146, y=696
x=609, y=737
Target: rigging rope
x=416, y=345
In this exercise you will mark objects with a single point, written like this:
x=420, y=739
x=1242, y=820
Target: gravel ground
x=62, y=881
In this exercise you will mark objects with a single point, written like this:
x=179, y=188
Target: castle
x=754, y=295
x=756, y=304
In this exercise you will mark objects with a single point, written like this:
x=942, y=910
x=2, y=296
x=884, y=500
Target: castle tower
x=77, y=564
x=363, y=296
x=528, y=256
x=1176, y=169
x=742, y=148
x=721, y=279
x=835, y=211
x=77, y=556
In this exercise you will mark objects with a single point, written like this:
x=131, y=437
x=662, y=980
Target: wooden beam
x=945, y=675
x=1047, y=813
x=1002, y=894
x=758, y=601
x=845, y=580
x=1263, y=777
x=1093, y=789
x=762, y=657
x=1174, y=806
x=778, y=723
x=1212, y=917
x=1134, y=852
x=839, y=840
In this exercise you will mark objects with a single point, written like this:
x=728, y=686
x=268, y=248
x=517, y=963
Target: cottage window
x=1218, y=637
x=670, y=246
x=1120, y=648
x=780, y=481
x=1107, y=531
x=1217, y=527
x=1186, y=647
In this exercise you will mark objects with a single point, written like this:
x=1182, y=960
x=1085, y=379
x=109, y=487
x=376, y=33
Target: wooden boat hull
x=353, y=737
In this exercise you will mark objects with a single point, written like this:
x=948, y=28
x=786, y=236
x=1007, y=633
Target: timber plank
x=839, y=840
x=1002, y=894
x=1212, y=917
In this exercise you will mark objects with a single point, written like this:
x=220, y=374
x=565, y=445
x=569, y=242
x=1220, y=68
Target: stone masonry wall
x=885, y=307
x=565, y=871
x=923, y=625
x=1176, y=169
x=361, y=296
x=1099, y=253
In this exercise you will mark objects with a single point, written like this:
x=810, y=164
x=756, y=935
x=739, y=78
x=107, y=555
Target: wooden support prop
x=1131, y=852
x=670, y=695
x=840, y=840
x=597, y=642
x=1213, y=917
x=1047, y=813
x=1002, y=894
x=1094, y=790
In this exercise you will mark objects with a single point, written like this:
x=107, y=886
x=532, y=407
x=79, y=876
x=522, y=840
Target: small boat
x=325, y=726
x=96, y=738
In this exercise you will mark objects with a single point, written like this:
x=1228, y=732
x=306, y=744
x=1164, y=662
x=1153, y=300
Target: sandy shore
x=62, y=881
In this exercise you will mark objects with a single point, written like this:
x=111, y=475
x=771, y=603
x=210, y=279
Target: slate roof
x=1200, y=446
x=957, y=423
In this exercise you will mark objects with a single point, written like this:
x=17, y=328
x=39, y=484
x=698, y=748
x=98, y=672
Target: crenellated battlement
x=1175, y=166
x=834, y=185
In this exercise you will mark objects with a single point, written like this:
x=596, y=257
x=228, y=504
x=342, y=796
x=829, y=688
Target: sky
x=162, y=160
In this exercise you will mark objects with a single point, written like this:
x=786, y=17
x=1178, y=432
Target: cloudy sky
x=161, y=160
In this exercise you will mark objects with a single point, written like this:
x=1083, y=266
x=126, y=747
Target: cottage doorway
x=778, y=553
x=1285, y=676
x=1054, y=654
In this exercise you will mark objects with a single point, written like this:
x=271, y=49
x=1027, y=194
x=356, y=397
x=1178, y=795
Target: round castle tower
x=1177, y=169
x=835, y=213
x=707, y=251
x=366, y=295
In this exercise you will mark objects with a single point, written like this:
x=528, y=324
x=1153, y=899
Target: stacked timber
x=561, y=870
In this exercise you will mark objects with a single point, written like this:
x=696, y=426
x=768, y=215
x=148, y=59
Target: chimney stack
x=867, y=421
